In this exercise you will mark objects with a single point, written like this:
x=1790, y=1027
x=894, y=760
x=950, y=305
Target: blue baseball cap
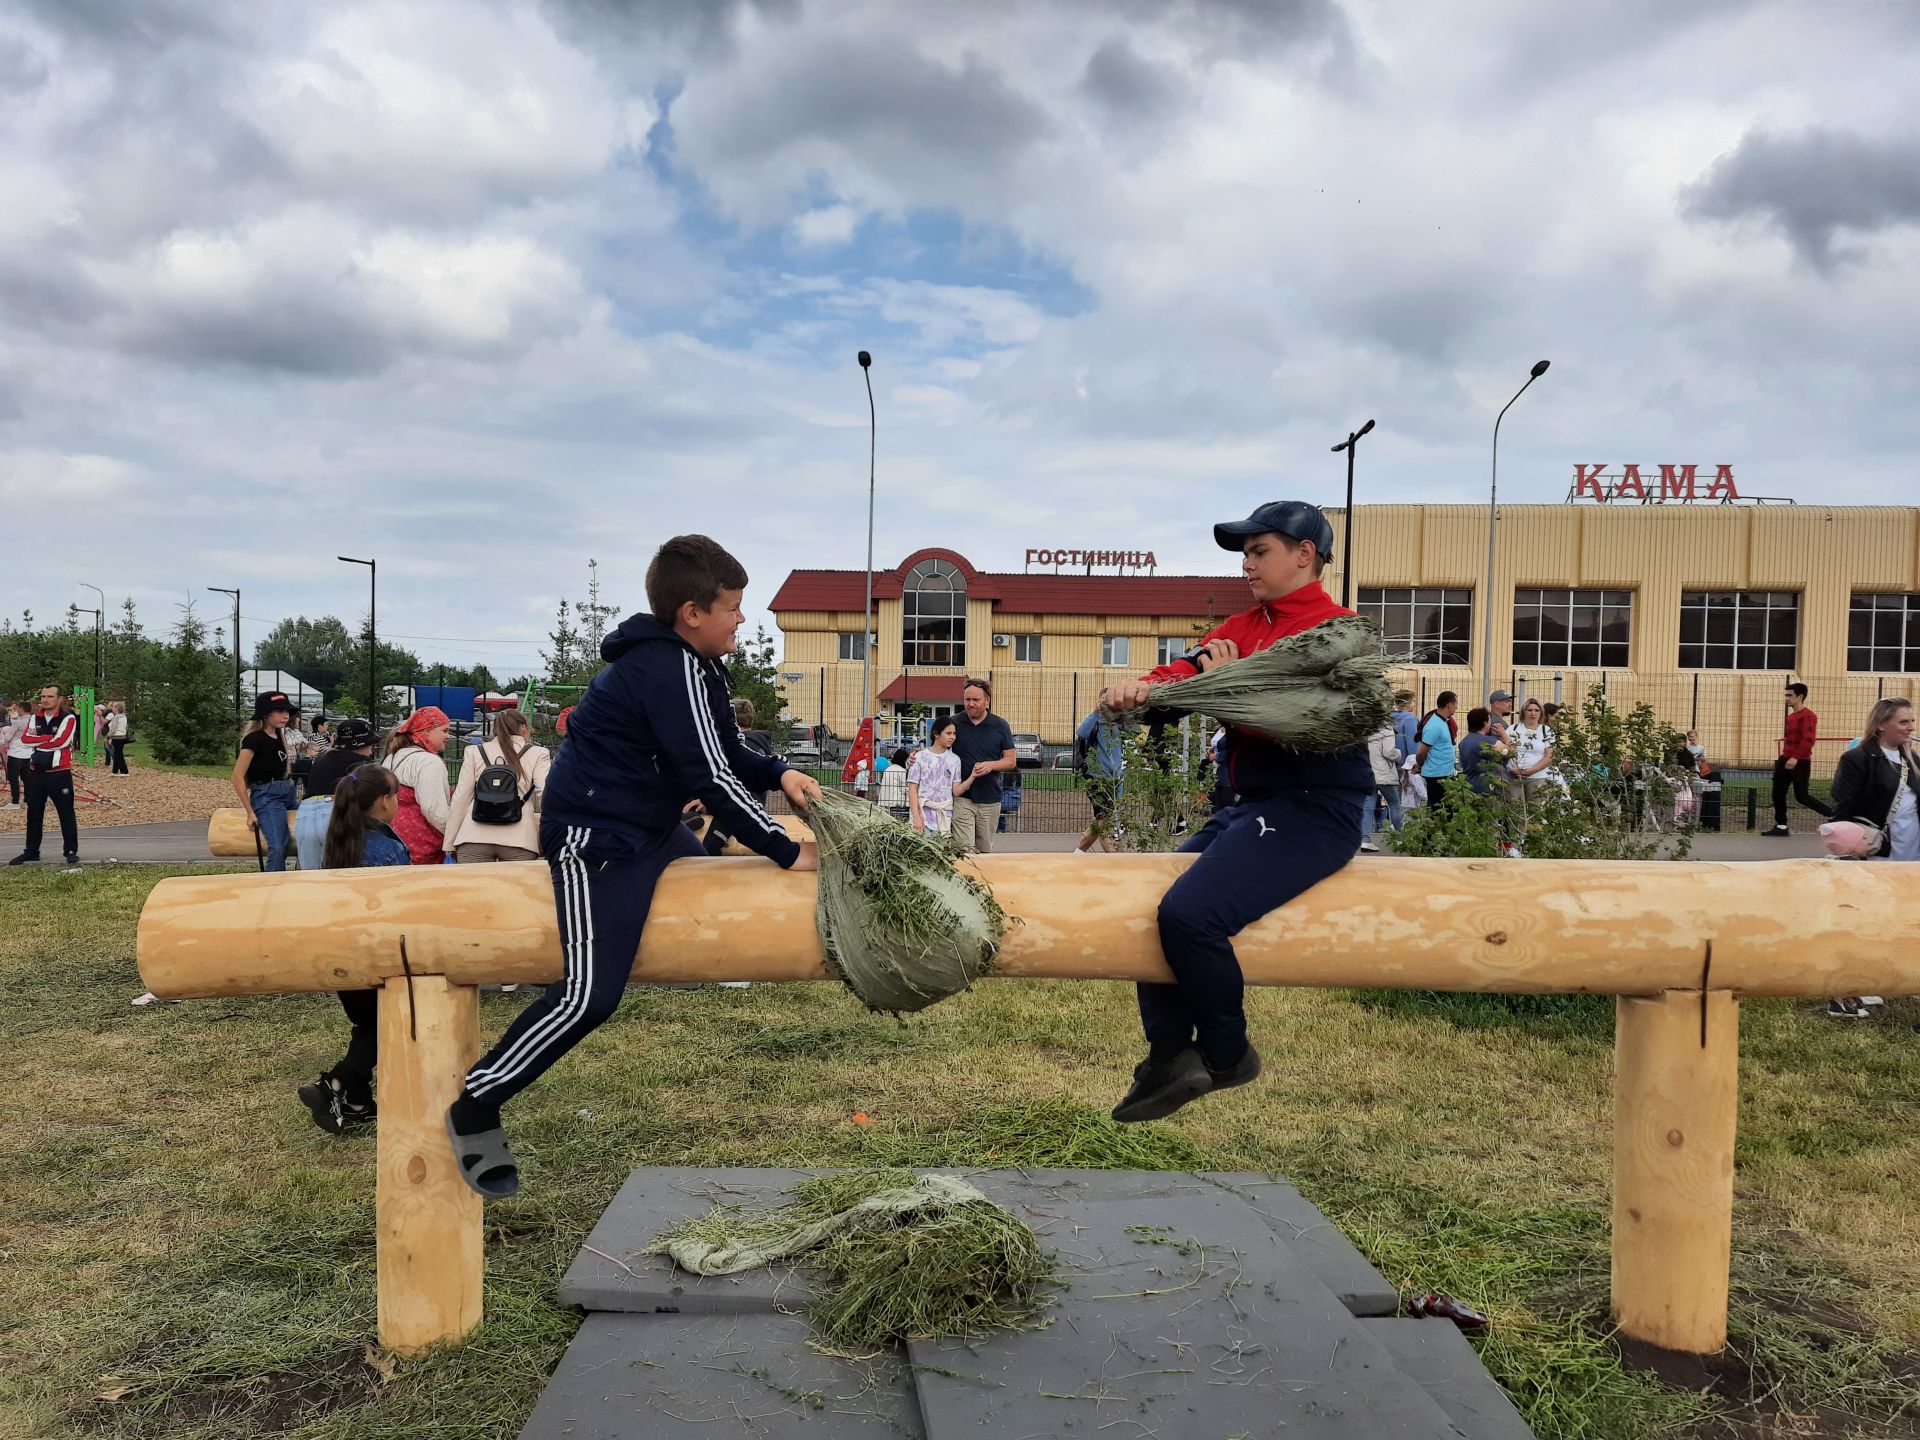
x=1295, y=519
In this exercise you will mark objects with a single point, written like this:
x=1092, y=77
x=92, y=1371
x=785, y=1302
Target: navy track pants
x=602, y=887
x=1257, y=855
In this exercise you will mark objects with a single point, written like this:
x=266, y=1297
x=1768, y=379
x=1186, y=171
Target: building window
x=1421, y=625
x=851, y=647
x=1883, y=633
x=1113, y=650
x=1584, y=628
x=933, y=615
x=1739, y=629
x=1172, y=647
x=1027, y=647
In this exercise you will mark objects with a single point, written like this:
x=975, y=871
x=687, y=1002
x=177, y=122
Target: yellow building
x=1703, y=611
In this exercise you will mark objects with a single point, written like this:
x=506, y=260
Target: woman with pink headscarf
x=426, y=799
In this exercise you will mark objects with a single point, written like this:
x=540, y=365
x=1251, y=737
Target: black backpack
x=496, y=793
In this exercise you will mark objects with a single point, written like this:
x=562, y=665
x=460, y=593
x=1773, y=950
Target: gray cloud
x=1811, y=184
x=1128, y=87
x=703, y=28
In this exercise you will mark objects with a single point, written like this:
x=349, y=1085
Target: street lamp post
x=99, y=640
x=1493, y=499
x=866, y=635
x=222, y=590
x=1350, y=444
x=373, y=600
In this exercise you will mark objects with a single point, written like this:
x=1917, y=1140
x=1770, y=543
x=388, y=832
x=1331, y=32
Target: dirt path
x=131, y=799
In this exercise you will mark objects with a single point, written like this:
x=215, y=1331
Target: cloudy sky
x=487, y=289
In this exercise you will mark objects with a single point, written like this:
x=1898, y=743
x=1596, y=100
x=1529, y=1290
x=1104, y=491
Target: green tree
x=322, y=652
x=1163, y=797
x=752, y=672
x=188, y=716
x=573, y=660
x=392, y=666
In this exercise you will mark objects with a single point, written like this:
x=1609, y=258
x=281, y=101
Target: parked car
x=1027, y=751
x=813, y=745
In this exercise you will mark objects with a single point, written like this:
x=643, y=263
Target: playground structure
x=1677, y=942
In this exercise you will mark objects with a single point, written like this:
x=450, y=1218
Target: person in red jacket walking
x=1790, y=771
x=1296, y=821
x=49, y=741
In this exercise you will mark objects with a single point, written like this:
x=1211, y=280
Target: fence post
x=1753, y=807
x=1557, y=678
x=430, y=1256
x=1676, y=1101
x=1694, y=722
x=1880, y=688
x=823, y=697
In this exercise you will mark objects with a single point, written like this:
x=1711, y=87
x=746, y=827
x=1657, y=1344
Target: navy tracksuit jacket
x=654, y=730
x=1296, y=823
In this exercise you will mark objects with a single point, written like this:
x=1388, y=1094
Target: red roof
x=1043, y=594
x=923, y=687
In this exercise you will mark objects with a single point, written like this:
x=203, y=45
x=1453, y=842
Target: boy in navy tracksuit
x=1293, y=825
x=654, y=730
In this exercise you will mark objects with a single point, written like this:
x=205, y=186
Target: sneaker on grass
x=1847, y=1008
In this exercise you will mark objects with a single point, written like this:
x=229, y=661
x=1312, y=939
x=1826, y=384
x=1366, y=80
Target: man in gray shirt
x=984, y=744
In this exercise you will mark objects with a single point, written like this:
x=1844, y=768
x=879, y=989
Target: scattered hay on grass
x=900, y=926
x=904, y=1256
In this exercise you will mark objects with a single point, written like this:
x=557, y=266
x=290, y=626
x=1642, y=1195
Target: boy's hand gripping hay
x=898, y=923
x=905, y=1256
x=1323, y=689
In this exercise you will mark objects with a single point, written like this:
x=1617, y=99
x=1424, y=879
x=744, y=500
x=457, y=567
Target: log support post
x=1676, y=1099
x=430, y=1256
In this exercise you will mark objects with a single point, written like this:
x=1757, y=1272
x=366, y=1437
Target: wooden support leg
x=1676, y=1099
x=431, y=1259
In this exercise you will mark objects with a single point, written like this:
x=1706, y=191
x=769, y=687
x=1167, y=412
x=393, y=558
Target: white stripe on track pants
x=602, y=888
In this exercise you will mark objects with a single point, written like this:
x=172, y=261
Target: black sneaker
x=1847, y=1009
x=24, y=860
x=1244, y=1073
x=1161, y=1087
x=335, y=1109
x=72, y=857
x=1777, y=830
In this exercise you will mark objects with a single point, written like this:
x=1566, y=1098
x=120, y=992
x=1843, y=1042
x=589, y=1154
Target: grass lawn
x=186, y=1256
x=139, y=754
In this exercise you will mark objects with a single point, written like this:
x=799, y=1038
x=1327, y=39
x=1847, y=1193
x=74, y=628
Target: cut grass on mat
x=186, y=1256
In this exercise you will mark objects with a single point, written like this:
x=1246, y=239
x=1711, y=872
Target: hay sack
x=1323, y=689
x=899, y=925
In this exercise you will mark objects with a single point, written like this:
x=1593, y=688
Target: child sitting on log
x=654, y=729
x=365, y=800
x=1296, y=821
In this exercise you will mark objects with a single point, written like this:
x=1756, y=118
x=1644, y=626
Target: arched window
x=933, y=615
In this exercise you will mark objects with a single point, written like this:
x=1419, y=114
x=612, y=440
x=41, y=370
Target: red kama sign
x=1675, y=485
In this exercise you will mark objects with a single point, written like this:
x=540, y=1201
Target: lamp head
x=1363, y=430
x=865, y=359
x=1539, y=368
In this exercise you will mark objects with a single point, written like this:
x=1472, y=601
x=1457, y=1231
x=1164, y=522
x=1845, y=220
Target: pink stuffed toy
x=1851, y=839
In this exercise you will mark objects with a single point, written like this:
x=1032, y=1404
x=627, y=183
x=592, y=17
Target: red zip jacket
x=52, y=732
x=1255, y=765
x=1802, y=726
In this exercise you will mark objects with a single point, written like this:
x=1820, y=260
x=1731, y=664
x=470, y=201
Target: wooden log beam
x=229, y=835
x=1790, y=927
x=1676, y=1099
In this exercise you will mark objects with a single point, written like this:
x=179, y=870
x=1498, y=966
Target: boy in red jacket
x=1296, y=821
x=1796, y=759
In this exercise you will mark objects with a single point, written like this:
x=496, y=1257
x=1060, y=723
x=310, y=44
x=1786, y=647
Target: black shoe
x=72, y=857
x=1245, y=1072
x=24, y=860
x=1161, y=1087
x=1777, y=830
x=335, y=1108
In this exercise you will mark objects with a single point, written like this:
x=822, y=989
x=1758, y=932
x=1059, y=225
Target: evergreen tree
x=189, y=715
x=752, y=671
x=573, y=660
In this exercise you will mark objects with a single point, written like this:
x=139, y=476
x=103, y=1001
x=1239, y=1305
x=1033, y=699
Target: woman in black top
x=260, y=775
x=352, y=745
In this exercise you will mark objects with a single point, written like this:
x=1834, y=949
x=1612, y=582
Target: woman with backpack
x=365, y=801
x=426, y=799
x=496, y=804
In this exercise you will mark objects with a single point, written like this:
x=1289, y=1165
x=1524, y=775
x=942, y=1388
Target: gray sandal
x=485, y=1162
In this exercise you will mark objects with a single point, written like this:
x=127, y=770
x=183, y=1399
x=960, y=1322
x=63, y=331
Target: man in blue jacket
x=654, y=730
